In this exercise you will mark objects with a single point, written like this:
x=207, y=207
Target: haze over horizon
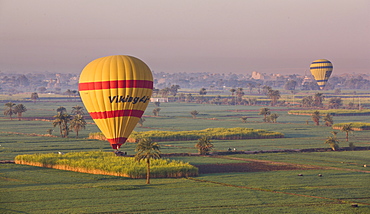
x=217, y=36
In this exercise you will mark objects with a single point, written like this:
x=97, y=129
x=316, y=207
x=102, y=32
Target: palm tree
x=316, y=117
x=189, y=98
x=156, y=111
x=194, y=113
x=266, y=89
x=274, y=95
x=203, y=91
x=333, y=142
x=9, y=110
x=347, y=128
x=61, y=110
x=250, y=87
x=274, y=117
x=307, y=101
x=182, y=97
x=335, y=102
x=34, y=96
x=19, y=109
x=318, y=99
x=78, y=123
x=164, y=92
x=78, y=110
x=232, y=91
x=334, y=133
x=239, y=92
x=204, y=145
x=328, y=120
x=244, y=119
x=252, y=101
x=147, y=149
x=62, y=120
x=174, y=89
x=49, y=131
x=58, y=121
x=69, y=93
x=264, y=112
x=239, y=95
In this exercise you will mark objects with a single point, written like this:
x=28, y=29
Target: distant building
x=258, y=76
x=159, y=99
x=306, y=80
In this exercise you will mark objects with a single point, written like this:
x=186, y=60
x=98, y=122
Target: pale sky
x=218, y=36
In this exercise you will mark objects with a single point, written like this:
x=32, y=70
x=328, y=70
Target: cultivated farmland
x=257, y=177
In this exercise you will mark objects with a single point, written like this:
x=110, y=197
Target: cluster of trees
x=165, y=92
x=288, y=82
x=316, y=116
x=236, y=96
x=268, y=116
x=67, y=122
x=313, y=101
x=13, y=83
x=318, y=98
x=353, y=81
x=14, y=109
x=333, y=141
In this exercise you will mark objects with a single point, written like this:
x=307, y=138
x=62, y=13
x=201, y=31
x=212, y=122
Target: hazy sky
x=239, y=36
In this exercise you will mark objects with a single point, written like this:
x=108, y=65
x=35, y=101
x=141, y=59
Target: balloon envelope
x=321, y=70
x=116, y=91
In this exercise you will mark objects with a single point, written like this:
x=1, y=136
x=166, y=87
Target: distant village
x=61, y=83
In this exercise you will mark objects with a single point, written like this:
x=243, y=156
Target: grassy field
x=29, y=189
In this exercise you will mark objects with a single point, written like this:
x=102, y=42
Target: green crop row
x=213, y=133
x=109, y=164
x=336, y=112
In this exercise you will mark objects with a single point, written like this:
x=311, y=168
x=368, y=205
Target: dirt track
x=246, y=167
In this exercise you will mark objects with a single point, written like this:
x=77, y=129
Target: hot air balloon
x=321, y=70
x=116, y=91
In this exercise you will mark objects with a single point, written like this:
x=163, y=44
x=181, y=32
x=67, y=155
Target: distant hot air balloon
x=116, y=91
x=321, y=70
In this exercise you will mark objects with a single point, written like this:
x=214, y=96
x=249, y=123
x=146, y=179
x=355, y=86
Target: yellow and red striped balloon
x=321, y=70
x=116, y=91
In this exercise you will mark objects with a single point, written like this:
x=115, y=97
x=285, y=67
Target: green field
x=345, y=180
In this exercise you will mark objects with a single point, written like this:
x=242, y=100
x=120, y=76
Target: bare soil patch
x=247, y=167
